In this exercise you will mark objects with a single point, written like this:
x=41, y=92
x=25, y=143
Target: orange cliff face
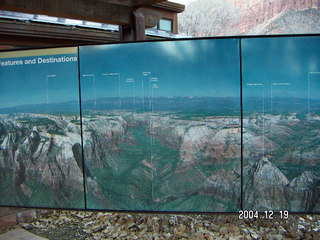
x=253, y=12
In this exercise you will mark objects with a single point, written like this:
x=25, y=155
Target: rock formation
x=266, y=187
x=237, y=17
x=159, y=161
x=304, y=192
x=255, y=12
x=36, y=153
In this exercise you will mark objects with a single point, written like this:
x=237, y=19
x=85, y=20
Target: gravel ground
x=62, y=225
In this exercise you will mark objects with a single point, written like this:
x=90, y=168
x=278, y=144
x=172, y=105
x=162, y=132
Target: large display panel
x=161, y=125
x=40, y=140
x=281, y=123
x=156, y=126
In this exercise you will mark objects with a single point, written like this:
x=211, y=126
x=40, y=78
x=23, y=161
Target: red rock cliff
x=254, y=12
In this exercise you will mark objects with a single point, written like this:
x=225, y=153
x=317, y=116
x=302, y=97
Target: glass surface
x=281, y=140
x=165, y=24
x=161, y=125
x=40, y=151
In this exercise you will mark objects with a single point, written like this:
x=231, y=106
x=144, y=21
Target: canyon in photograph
x=180, y=155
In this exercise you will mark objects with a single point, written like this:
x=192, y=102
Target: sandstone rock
x=30, y=149
x=26, y=190
x=264, y=187
x=223, y=185
x=304, y=192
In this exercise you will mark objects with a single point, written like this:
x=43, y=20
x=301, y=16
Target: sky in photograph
x=182, y=68
x=27, y=84
x=282, y=67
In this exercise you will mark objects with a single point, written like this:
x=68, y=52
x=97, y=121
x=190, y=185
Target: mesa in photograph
x=40, y=151
x=161, y=125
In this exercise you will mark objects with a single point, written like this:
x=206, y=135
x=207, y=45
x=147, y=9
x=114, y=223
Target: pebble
x=254, y=235
x=248, y=237
x=235, y=230
x=282, y=230
x=277, y=237
x=223, y=231
x=301, y=227
x=310, y=218
x=317, y=229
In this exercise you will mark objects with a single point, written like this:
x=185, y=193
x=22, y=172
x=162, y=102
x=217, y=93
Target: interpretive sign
x=195, y=125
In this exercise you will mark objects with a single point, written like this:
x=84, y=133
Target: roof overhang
x=103, y=11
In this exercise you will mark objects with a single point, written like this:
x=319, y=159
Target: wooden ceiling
x=104, y=11
x=134, y=3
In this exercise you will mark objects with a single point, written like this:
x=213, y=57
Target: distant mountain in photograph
x=241, y=17
x=64, y=107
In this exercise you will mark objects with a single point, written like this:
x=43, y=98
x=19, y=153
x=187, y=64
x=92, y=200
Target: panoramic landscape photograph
x=40, y=137
x=161, y=130
x=281, y=124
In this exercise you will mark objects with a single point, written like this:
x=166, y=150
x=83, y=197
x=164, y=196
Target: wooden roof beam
x=103, y=11
x=134, y=3
x=17, y=29
x=145, y=3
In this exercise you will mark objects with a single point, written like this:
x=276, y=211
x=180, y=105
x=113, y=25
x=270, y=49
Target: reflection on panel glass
x=281, y=90
x=161, y=125
x=165, y=24
x=40, y=151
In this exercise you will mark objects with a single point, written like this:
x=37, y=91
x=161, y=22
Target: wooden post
x=139, y=25
x=126, y=33
x=136, y=30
